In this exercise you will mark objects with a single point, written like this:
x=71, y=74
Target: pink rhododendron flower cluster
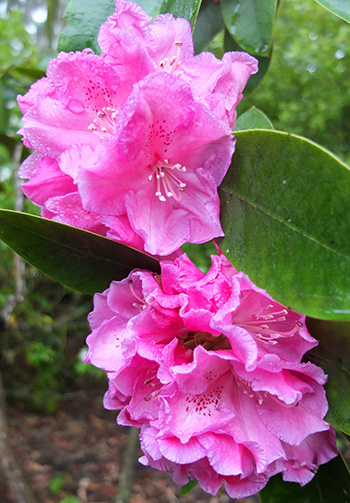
x=133, y=144
x=209, y=366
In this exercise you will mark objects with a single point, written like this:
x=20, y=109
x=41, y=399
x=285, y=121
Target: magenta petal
x=47, y=181
x=226, y=456
x=294, y=424
x=177, y=452
x=130, y=60
x=105, y=345
x=51, y=128
x=128, y=18
x=304, y=459
x=40, y=88
x=68, y=209
x=202, y=72
x=197, y=412
x=237, y=487
x=166, y=32
x=84, y=83
x=30, y=165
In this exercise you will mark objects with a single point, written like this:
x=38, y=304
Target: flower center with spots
x=208, y=341
x=168, y=184
x=265, y=319
x=105, y=123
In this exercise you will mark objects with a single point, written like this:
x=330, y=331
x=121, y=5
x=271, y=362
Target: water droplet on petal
x=76, y=106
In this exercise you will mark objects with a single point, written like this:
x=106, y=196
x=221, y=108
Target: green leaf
x=152, y=7
x=208, y=25
x=84, y=18
x=250, y=23
x=331, y=484
x=253, y=119
x=78, y=259
x=284, y=210
x=264, y=64
x=340, y=8
x=182, y=8
x=333, y=355
x=188, y=487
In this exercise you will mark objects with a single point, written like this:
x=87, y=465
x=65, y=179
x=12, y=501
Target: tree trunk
x=126, y=475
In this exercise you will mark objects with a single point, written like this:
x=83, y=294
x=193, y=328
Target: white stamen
x=173, y=63
x=104, y=125
x=167, y=183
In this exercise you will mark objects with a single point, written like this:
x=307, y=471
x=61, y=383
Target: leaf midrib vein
x=284, y=222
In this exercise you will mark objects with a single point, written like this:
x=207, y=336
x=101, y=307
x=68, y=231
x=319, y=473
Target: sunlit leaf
x=182, y=8
x=84, y=18
x=78, y=259
x=253, y=119
x=284, y=209
x=250, y=23
x=333, y=355
x=331, y=484
x=340, y=8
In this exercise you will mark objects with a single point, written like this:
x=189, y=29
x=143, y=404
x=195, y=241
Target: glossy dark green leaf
x=182, y=8
x=333, y=355
x=78, y=259
x=84, y=18
x=208, y=25
x=250, y=23
x=264, y=64
x=331, y=484
x=340, y=8
x=285, y=203
x=253, y=119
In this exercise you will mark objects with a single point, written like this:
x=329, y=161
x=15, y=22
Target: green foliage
x=306, y=89
x=188, y=487
x=78, y=259
x=333, y=355
x=152, y=7
x=250, y=23
x=182, y=8
x=40, y=347
x=340, y=8
x=330, y=484
x=21, y=48
x=209, y=24
x=70, y=499
x=83, y=20
x=284, y=202
x=253, y=119
x=56, y=483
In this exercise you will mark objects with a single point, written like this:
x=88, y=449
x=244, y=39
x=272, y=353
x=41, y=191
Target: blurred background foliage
x=43, y=325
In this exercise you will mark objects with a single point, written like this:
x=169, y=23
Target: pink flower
x=133, y=144
x=161, y=168
x=210, y=367
x=165, y=45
